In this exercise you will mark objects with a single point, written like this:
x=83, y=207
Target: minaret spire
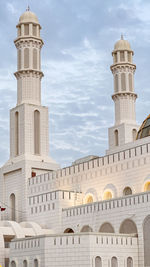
x=28, y=8
x=124, y=97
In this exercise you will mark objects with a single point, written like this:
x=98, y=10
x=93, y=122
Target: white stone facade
x=95, y=213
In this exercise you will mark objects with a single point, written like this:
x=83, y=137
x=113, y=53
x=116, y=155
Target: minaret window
x=36, y=132
x=34, y=58
x=26, y=29
x=26, y=58
x=116, y=83
x=130, y=82
x=116, y=138
x=19, y=59
x=123, y=81
x=115, y=57
x=13, y=207
x=122, y=57
x=34, y=30
x=19, y=31
x=17, y=133
x=129, y=56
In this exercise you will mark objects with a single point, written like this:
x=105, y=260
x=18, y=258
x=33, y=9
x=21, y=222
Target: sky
x=79, y=36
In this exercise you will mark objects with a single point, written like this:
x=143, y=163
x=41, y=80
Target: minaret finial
x=28, y=8
x=122, y=37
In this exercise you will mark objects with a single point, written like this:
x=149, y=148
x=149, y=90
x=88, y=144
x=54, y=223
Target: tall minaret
x=29, y=130
x=124, y=97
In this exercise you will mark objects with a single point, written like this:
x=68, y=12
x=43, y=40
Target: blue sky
x=79, y=37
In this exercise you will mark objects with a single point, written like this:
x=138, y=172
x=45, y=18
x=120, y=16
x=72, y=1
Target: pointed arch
x=68, y=231
x=25, y=264
x=86, y=228
x=106, y=228
x=127, y=191
x=36, y=132
x=128, y=227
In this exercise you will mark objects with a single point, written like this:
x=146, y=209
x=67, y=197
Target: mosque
x=94, y=213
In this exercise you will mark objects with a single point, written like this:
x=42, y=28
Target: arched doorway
x=25, y=263
x=106, y=228
x=13, y=264
x=36, y=263
x=98, y=262
x=13, y=207
x=68, y=231
x=128, y=227
x=89, y=199
x=114, y=262
x=146, y=236
x=129, y=262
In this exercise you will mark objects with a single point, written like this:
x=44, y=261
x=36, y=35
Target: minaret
x=29, y=130
x=124, y=97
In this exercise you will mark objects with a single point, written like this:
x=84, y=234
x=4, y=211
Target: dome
x=144, y=130
x=122, y=45
x=28, y=16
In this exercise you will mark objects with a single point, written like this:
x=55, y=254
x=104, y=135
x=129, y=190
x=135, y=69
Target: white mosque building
x=94, y=213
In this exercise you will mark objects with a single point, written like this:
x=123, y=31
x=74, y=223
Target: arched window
x=19, y=59
x=68, y=231
x=114, y=262
x=36, y=263
x=122, y=57
x=116, y=138
x=37, y=132
x=13, y=264
x=106, y=228
x=123, y=82
x=13, y=207
x=129, y=56
x=128, y=227
x=127, y=191
x=98, y=262
x=129, y=262
x=34, y=58
x=26, y=58
x=25, y=263
x=16, y=133
x=86, y=228
x=147, y=187
x=107, y=195
x=146, y=235
x=26, y=29
x=116, y=83
x=34, y=30
x=89, y=199
x=134, y=134
x=130, y=82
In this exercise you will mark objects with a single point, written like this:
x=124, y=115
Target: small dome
x=122, y=45
x=28, y=16
x=144, y=130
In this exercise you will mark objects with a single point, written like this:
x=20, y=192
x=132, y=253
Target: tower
x=124, y=97
x=29, y=131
